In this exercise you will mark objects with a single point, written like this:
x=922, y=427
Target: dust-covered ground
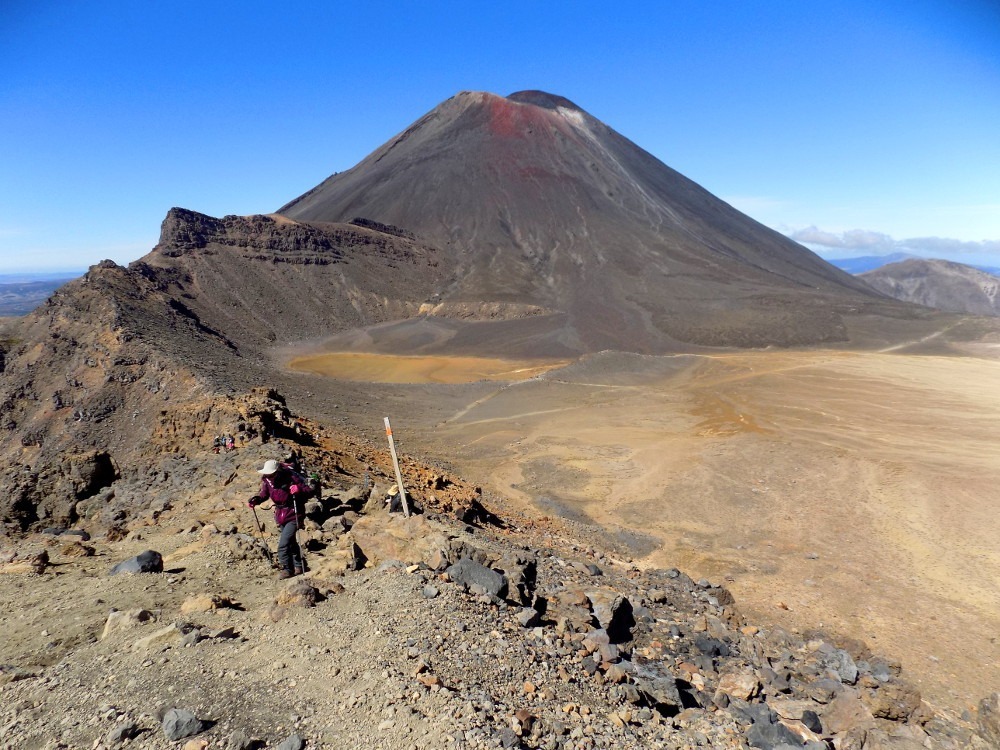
x=855, y=491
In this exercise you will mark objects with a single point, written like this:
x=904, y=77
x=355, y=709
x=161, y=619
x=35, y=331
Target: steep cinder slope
x=534, y=201
x=942, y=284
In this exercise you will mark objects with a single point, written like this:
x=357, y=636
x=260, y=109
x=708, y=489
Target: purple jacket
x=281, y=488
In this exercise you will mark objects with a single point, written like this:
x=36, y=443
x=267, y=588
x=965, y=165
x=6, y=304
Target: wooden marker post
x=395, y=465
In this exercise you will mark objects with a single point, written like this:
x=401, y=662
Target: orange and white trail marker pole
x=395, y=465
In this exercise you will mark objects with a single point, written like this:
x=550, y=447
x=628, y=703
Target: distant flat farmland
x=19, y=296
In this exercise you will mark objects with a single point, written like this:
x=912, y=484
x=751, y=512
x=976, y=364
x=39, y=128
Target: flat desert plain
x=852, y=492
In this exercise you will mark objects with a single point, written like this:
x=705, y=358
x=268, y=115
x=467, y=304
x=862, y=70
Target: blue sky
x=858, y=127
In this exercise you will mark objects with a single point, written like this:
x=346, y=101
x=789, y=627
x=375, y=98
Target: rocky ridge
x=90, y=378
x=463, y=625
x=940, y=284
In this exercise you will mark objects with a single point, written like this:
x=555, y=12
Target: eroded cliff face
x=279, y=240
x=266, y=280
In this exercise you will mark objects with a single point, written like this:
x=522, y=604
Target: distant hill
x=21, y=293
x=940, y=284
x=865, y=263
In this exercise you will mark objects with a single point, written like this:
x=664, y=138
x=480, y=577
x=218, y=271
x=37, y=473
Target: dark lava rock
x=478, y=578
x=126, y=730
x=239, y=741
x=179, y=723
x=711, y=646
x=823, y=691
x=613, y=612
x=508, y=739
x=528, y=617
x=522, y=574
x=146, y=562
x=753, y=713
x=292, y=743
x=662, y=694
x=775, y=680
x=810, y=720
x=841, y=662
x=989, y=719
x=772, y=736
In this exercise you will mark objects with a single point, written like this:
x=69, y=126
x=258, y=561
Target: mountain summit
x=534, y=201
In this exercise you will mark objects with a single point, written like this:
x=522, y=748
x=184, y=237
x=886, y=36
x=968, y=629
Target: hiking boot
x=298, y=572
x=284, y=574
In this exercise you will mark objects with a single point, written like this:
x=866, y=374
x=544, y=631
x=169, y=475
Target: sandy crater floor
x=383, y=368
x=856, y=491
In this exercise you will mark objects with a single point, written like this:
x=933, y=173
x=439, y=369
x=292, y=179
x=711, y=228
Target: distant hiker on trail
x=284, y=488
x=216, y=444
x=228, y=442
x=294, y=460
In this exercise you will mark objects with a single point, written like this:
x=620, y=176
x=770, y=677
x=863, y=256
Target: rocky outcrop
x=149, y=561
x=279, y=240
x=77, y=391
x=989, y=719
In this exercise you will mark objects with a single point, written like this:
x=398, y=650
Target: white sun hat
x=269, y=467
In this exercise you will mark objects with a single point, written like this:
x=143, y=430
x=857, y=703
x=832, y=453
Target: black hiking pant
x=289, y=554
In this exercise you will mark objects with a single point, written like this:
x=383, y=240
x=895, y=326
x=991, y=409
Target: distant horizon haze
x=833, y=256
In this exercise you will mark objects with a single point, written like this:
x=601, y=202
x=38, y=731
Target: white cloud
x=867, y=242
x=945, y=245
x=853, y=239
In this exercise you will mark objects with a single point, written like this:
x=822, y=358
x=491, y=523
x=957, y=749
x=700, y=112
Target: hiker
x=216, y=444
x=293, y=460
x=283, y=487
x=228, y=442
x=393, y=499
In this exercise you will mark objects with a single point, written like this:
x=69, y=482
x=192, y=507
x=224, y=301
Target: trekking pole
x=302, y=549
x=395, y=465
x=260, y=533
